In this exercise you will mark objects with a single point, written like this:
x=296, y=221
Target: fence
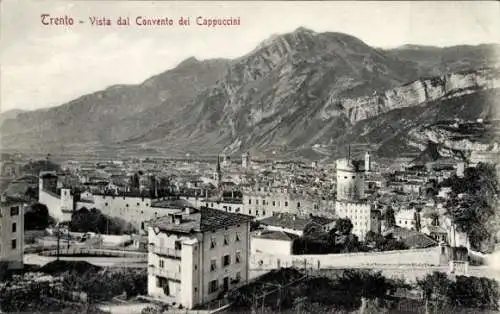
x=94, y=252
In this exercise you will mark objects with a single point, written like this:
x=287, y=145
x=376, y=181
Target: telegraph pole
x=58, y=240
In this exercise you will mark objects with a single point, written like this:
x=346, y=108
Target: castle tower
x=368, y=162
x=350, y=180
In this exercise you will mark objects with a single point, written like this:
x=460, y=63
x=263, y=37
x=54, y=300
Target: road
x=35, y=259
x=133, y=308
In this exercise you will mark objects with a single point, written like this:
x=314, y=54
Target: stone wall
x=431, y=256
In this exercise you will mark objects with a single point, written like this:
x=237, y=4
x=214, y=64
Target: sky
x=45, y=66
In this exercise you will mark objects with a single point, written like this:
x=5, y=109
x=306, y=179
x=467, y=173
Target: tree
x=389, y=217
x=311, y=229
x=365, y=284
x=37, y=217
x=344, y=226
x=135, y=181
x=436, y=287
x=332, y=237
x=254, y=225
x=473, y=211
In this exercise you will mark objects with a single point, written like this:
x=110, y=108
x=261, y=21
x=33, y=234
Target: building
x=351, y=202
x=406, y=218
x=12, y=233
x=295, y=224
x=195, y=255
x=273, y=242
x=262, y=202
x=59, y=200
x=245, y=160
x=368, y=162
x=232, y=205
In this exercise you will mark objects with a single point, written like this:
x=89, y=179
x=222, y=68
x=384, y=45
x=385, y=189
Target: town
x=231, y=233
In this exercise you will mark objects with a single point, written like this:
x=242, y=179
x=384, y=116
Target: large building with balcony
x=12, y=233
x=196, y=255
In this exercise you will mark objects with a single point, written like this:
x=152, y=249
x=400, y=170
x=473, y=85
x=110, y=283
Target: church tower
x=218, y=172
x=368, y=162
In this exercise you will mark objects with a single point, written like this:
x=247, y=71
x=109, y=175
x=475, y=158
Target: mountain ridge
x=272, y=99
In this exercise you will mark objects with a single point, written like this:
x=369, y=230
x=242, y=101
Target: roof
x=276, y=235
x=166, y=203
x=435, y=229
x=412, y=238
x=290, y=221
x=200, y=221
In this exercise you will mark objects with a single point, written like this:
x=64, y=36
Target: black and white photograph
x=251, y=157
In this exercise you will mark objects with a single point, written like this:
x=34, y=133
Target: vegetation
x=465, y=292
x=37, y=217
x=98, y=285
x=35, y=167
x=363, y=291
x=381, y=243
x=337, y=240
x=289, y=290
x=473, y=202
x=93, y=220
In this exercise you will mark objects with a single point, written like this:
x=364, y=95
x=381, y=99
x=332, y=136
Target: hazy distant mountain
x=434, y=61
x=300, y=93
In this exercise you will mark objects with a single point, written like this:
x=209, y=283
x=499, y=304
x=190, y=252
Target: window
x=226, y=260
x=213, y=286
x=263, y=202
x=274, y=203
x=257, y=213
x=286, y=203
x=14, y=211
x=263, y=213
x=249, y=211
x=13, y=244
x=250, y=201
x=298, y=204
x=212, y=243
x=237, y=278
x=238, y=257
x=237, y=237
x=14, y=227
x=229, y=208
x=256, y=202
x=162, y=263
x=126, y=205
x=105, y=204
x=213, y=264
x=178, y=245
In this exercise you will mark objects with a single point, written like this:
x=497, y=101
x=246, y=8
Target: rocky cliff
x=414, y=93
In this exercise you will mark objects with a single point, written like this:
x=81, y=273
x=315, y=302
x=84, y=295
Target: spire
x=349, y=152
x=218, y=164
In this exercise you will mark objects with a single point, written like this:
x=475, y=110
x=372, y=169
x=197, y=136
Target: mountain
x=117, y=112
x=434, y=61
x=298, y=94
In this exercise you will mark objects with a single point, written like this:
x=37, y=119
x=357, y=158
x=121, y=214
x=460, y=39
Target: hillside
x=291, y=94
